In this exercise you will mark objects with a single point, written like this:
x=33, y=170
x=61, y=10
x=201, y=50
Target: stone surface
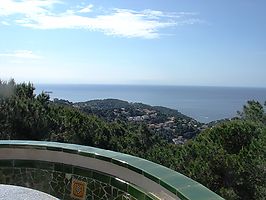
x=10, y=192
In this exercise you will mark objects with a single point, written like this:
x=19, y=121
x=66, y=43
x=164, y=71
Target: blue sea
x=204, y=104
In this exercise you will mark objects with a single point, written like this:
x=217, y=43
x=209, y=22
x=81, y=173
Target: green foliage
x=253, y=111
x=235, y=135
x=22, y=115
x=229, y=159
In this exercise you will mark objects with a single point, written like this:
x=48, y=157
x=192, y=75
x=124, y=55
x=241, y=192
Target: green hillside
x=168, y=123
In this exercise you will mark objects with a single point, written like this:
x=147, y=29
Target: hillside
x=170, y=124
x=229, y=158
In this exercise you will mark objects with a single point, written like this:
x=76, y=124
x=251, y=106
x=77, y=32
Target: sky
x=140, y=42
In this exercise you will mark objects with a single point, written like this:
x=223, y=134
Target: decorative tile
x=78, y=189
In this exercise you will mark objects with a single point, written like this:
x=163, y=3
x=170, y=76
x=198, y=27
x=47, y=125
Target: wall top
x=182, y=186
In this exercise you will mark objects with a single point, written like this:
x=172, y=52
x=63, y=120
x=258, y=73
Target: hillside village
x=178, y=129
x=171, y=124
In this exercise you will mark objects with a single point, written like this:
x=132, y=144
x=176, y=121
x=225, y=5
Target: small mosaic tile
x=78, y=189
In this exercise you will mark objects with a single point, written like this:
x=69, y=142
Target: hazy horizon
x=202, y=103
x=140, y=85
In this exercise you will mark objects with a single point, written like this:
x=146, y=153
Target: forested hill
x=170, y=124
x=116, y=104
x=112, y=104
x=229, y=158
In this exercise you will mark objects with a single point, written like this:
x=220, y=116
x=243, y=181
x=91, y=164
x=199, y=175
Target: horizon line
x=148, y=85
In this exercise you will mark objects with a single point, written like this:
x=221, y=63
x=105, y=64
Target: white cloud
x=25, y=54
x=86, y=9
x=148, y=23
x=5, y=23
x=27, y=7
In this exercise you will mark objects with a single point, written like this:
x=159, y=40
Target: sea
x=204, y=104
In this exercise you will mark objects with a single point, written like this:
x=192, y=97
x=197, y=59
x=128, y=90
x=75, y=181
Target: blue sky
x=162, y=42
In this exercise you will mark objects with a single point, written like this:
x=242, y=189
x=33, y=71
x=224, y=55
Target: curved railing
x=71, y=171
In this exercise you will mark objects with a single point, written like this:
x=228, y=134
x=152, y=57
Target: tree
x=229, y=159
x=252, y=111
